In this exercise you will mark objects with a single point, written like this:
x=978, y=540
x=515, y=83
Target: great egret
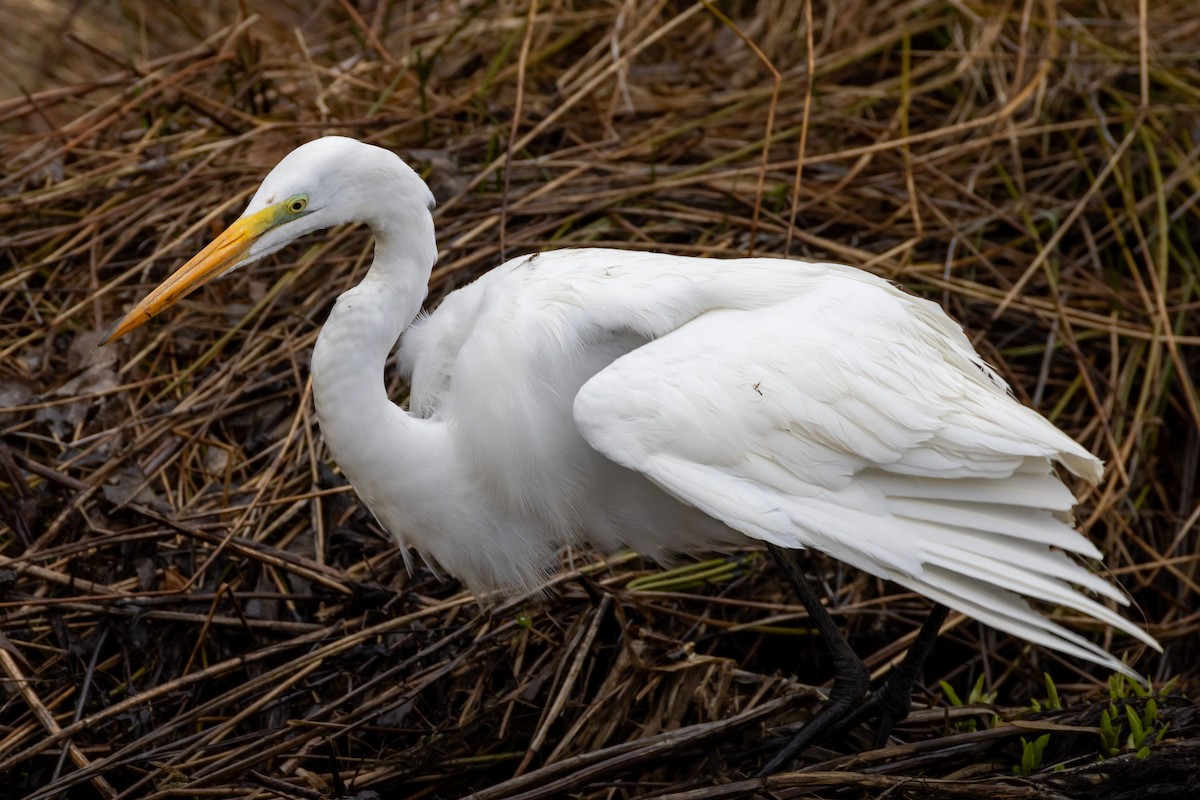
x=670, y=404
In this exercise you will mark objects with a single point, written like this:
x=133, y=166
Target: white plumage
x=670, y=404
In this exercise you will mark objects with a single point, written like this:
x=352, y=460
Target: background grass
x=192, y=601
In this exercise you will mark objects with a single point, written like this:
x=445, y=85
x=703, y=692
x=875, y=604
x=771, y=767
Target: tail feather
x=1036, y=586
x=1006, y=551
x=1024, y=489
x=1034, y=525
x=986, y=547
x=1009, y=612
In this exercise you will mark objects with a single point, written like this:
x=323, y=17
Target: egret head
x=326, y=182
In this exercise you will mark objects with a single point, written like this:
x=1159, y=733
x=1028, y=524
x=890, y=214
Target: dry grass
x=193, y=603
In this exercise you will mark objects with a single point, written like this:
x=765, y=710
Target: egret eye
x=297, y=204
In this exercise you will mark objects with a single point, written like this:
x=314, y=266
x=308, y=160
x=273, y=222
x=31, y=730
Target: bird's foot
x=887, y=705
x=892, y=702
x=847, y=694
x=849, y=704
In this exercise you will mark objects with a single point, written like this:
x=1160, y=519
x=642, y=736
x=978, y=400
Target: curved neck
x=367, y=320
x=372, y=439
x=405, y=252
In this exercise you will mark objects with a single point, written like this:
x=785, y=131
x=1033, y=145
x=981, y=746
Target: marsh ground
x=193, y=603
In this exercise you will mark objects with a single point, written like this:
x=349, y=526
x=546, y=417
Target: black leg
x=851, y=676
x=892, y=701
x=846, y=706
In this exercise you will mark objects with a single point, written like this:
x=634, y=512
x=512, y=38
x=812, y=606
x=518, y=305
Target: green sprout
x=1031, y=755
x=975, y=697
x=1052, y=702
x=1132, y=731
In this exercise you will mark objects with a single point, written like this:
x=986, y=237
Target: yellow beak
x=218, y=257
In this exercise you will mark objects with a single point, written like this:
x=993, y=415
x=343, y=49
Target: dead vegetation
x=193, y=603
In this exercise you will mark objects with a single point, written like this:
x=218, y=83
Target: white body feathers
x=669, y=404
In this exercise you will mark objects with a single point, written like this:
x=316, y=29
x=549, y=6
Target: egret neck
x=379, y=446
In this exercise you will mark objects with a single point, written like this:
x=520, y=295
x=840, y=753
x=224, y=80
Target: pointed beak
x=221, y=255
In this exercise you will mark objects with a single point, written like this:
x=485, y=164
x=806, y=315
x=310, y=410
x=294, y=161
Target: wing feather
x=809, y=405
x=859, y=421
